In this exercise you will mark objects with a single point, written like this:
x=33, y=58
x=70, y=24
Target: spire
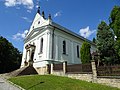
x=38, y=6
x=38, y=11
x=43, y=14
x=49, y=17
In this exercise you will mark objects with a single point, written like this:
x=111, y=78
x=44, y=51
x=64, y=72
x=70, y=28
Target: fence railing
x=58, y=67
x=85, y=68
x=79, y=68
x=108, y=70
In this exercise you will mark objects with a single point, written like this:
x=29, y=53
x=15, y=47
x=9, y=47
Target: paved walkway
x=5, y=85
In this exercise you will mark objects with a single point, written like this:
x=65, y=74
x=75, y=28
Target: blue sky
x=80, y=16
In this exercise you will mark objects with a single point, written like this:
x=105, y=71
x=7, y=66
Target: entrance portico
x=30, y=49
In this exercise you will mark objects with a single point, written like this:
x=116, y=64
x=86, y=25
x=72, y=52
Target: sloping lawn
x=50, y=82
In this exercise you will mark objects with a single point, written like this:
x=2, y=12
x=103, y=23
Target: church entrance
x=30, y=51
x=32, y=55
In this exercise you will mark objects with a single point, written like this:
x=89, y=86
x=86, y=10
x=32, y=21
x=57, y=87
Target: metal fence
x=79, y=68
x=108, y=70
x=58, y=66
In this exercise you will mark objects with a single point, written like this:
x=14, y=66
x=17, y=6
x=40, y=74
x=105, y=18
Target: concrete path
x=5, y=85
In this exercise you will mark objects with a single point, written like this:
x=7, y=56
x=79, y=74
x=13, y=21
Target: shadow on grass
x=35, y=85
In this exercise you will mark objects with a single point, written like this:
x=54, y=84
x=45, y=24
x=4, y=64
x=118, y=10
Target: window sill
x=40, y=53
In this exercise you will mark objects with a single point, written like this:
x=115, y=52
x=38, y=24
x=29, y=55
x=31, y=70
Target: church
x=48, y=42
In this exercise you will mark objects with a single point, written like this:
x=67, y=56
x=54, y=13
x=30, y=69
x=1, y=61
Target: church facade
x=47, y=42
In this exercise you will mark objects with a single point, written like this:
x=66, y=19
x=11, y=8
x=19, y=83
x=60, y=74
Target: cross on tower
x=38, y=6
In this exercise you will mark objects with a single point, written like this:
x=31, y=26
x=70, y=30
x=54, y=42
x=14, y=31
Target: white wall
x=71, y=49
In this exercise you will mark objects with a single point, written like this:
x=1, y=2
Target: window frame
x=78, y=51
x=64, y=47
x=41, y=45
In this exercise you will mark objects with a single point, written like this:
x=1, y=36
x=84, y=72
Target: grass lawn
x=50, y=82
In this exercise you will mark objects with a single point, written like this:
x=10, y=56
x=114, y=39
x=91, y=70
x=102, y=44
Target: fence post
x=47, y=69
x=65, y=67
x=94, y=70
x=51, y=68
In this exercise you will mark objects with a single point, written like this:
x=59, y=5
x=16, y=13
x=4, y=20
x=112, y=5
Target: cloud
x=20, y=36
x=86, y=32
x=27, y=3
x=26, y=19
x=57, y=14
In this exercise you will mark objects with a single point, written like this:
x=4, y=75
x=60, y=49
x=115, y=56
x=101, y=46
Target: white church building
x=48, y=42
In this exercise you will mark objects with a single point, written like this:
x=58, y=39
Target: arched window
x=78, y=53
x=41, y=45
x=64, y=47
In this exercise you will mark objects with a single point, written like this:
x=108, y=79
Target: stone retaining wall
x=58, y=73
x=41, y=70
x=109, y=81
x=85, y=77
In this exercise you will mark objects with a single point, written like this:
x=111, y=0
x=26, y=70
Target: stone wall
x=85, y=77
x=41, y=70
x=59, y=73
x=110, y=81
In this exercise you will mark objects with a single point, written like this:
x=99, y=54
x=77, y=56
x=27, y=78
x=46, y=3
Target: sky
x=79, y=16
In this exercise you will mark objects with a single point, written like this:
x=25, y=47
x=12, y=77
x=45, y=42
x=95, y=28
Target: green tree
x=85, y=53
x=115, y=21
x=105, y=43
x=10, y=57
x=115, y=25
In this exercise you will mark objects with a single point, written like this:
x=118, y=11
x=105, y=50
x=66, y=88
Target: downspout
x=53, y=44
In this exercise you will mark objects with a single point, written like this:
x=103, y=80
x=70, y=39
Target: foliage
x=85, y=52
x=10, y=57
x=50, y=82
x=115, y=25
x=105, y=43
x=115, y=21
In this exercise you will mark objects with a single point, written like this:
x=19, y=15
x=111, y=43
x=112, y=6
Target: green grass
x=50, y=82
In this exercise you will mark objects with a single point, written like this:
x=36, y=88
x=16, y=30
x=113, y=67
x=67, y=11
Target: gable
x=38, y=21
x=35, y=32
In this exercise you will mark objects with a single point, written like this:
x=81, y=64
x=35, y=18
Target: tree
x=10, y=57
x=105, y=43
x=85, y=53
x=115, y=25
x=115, y=21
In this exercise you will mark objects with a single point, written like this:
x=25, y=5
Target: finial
x=43, y=14
x=38, y=11
x=49, y=17
x=38, y=6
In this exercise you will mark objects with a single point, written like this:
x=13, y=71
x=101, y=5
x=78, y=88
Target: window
x=38, y=22
x=64, y=47
x=41, y=45
x=33, y=27
x=78, y=54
